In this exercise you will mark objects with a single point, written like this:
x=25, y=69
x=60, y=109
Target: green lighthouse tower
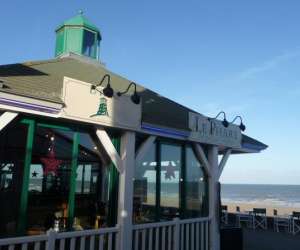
x=78, y=35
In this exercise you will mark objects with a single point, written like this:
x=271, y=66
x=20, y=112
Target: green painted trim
x=113, y=188
x=158, y=180
x=27, y=121
x=71, y=202
x=24, y=193
x=47, y=125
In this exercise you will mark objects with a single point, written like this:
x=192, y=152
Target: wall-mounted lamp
x=241, y=126
x=107, y=91
x=224, y=122
x=135, y=98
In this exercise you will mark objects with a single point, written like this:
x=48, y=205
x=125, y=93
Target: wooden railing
x=100, y=239
x=190, y=234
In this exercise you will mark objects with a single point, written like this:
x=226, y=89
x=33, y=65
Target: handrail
x=64, y=235
x=23, y=239
x=192, y=220
x=152, y=225
x=169, y=223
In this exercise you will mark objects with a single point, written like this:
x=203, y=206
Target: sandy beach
x=269, y=206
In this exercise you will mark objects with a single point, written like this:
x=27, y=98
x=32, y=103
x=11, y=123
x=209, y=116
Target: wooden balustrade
x=190, y=234
x=100, y=239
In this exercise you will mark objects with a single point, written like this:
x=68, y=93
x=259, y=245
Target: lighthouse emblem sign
x=81, y=104
x=102, y=110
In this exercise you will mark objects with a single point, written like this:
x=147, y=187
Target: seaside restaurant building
x=91, y=157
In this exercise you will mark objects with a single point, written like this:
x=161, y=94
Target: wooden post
x=214, y=232
x=126, y=191
x=109, y=148
x=6, y=118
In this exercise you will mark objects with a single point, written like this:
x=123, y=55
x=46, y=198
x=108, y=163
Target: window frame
x=95, y=43
x=33, y=123
x=183, y=176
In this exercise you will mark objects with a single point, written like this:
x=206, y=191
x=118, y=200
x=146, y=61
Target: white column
x=214, y=239
x=126, y=190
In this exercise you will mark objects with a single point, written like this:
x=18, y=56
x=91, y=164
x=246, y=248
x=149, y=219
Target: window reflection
x=196, y=186
x=91, y=186
x=145, y=188
x=49, y=179
x=169, y=178
x=12, y=156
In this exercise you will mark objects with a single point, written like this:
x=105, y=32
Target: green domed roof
x=79, y=20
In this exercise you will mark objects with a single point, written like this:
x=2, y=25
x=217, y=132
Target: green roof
x=44, y=80
x=79, y=20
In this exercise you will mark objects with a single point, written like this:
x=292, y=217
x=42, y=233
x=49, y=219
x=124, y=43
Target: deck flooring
x=269, y=240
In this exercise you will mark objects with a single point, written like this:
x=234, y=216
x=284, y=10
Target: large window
x=91, y=186
x=49, y=179
x=169, y=182
x=170, y=167
x=195, y=187
x=54, y=177
x=12, y=156
x=145, y=188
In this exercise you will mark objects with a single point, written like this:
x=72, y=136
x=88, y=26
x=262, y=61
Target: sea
x=277, y=195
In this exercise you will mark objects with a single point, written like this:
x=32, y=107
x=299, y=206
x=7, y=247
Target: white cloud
x=211, y=109
x=268, y=65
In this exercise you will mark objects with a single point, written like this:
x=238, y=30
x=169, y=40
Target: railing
x=190, y=234
x=100, y=239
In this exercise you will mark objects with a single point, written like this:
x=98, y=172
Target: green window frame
x=32, y=124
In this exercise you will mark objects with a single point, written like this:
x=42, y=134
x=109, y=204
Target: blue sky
x=242, y=57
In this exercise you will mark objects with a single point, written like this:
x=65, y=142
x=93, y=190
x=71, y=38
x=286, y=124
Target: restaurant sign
x=212, y=131
x=83, y=104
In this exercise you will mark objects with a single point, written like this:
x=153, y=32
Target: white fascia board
x=29, y=105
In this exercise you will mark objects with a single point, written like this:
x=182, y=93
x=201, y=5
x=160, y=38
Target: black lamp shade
x=108, y=91
x=225, y=123
x=135, y=98
x=242, y=127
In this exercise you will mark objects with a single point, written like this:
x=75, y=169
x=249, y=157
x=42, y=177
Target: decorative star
x=170, y=172
x=34, y=174
x=51, y=164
